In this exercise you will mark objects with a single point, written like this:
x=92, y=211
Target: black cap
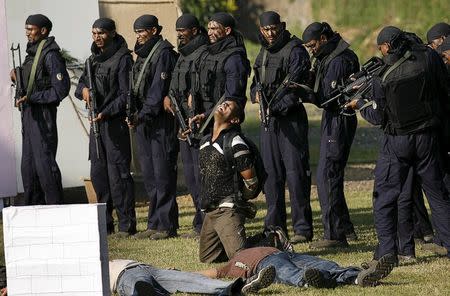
x=40, y=21
x=437, y=31
x=146, y=21
x=315, y=30
x=269, y=18
x=444, y=46
x=387, y=34
x=105, y=23
x=187, y=21
x=223, y=18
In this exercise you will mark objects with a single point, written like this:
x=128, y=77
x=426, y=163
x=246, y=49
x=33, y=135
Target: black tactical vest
x=408, y=101
x=106, y=77
x=212, y=74
x=276, y=65
x=141, y=92
x=42, y=79
x=185, y=75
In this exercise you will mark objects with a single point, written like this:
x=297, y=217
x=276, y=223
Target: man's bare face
x=384, y=48
x=144, y=35
x=217, y=31
x=226, y=111
x=434, y=44
x=271, y=33
x=314, y=45
x=102, y=38
x=185, y=35
x=34, y=33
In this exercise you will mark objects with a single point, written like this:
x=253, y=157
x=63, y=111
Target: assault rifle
x=263, y=108
x=184, y=127
x=93, y=112
x=18, y=83
x=357, y=85
x=130, y=106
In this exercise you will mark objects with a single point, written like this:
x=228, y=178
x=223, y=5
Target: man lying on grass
x=132, y=278
x=301, y=270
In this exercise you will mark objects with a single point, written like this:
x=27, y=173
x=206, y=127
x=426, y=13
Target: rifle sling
x=34, y=67
x=342, y=46
x=406, y=56
x=141, y=73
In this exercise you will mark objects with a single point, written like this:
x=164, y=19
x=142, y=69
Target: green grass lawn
x=429, y=276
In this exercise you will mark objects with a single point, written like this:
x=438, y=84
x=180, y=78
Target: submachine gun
x=357, y=85
x=93, y=111
x=179, y=115
x=20, y=89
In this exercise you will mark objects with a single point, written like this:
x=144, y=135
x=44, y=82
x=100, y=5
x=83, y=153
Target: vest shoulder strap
x=149, y=57
x=340, y=48
x=34, y=67
x=406, y=56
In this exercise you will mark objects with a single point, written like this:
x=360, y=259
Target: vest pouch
x=274, y=66
x=102, y=83
x=406, y=101
x=207, y=78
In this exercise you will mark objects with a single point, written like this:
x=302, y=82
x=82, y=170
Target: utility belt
x=225, y=202
x=244, y=207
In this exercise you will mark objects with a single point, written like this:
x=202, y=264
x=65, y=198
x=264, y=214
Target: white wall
x=8, y=185
x=72, y=21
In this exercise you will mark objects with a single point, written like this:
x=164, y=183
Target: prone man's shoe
x=162, y=235
x=328, y=243
x=370, y=277
x=145, y=234
x=144, y=289
x=439, y=250
x=314, y=278
x=261, y=280
x=299, y=239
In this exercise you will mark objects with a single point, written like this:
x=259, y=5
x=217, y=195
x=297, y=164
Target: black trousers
x=110, y=172
x=398, y=154
x=337, y=133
